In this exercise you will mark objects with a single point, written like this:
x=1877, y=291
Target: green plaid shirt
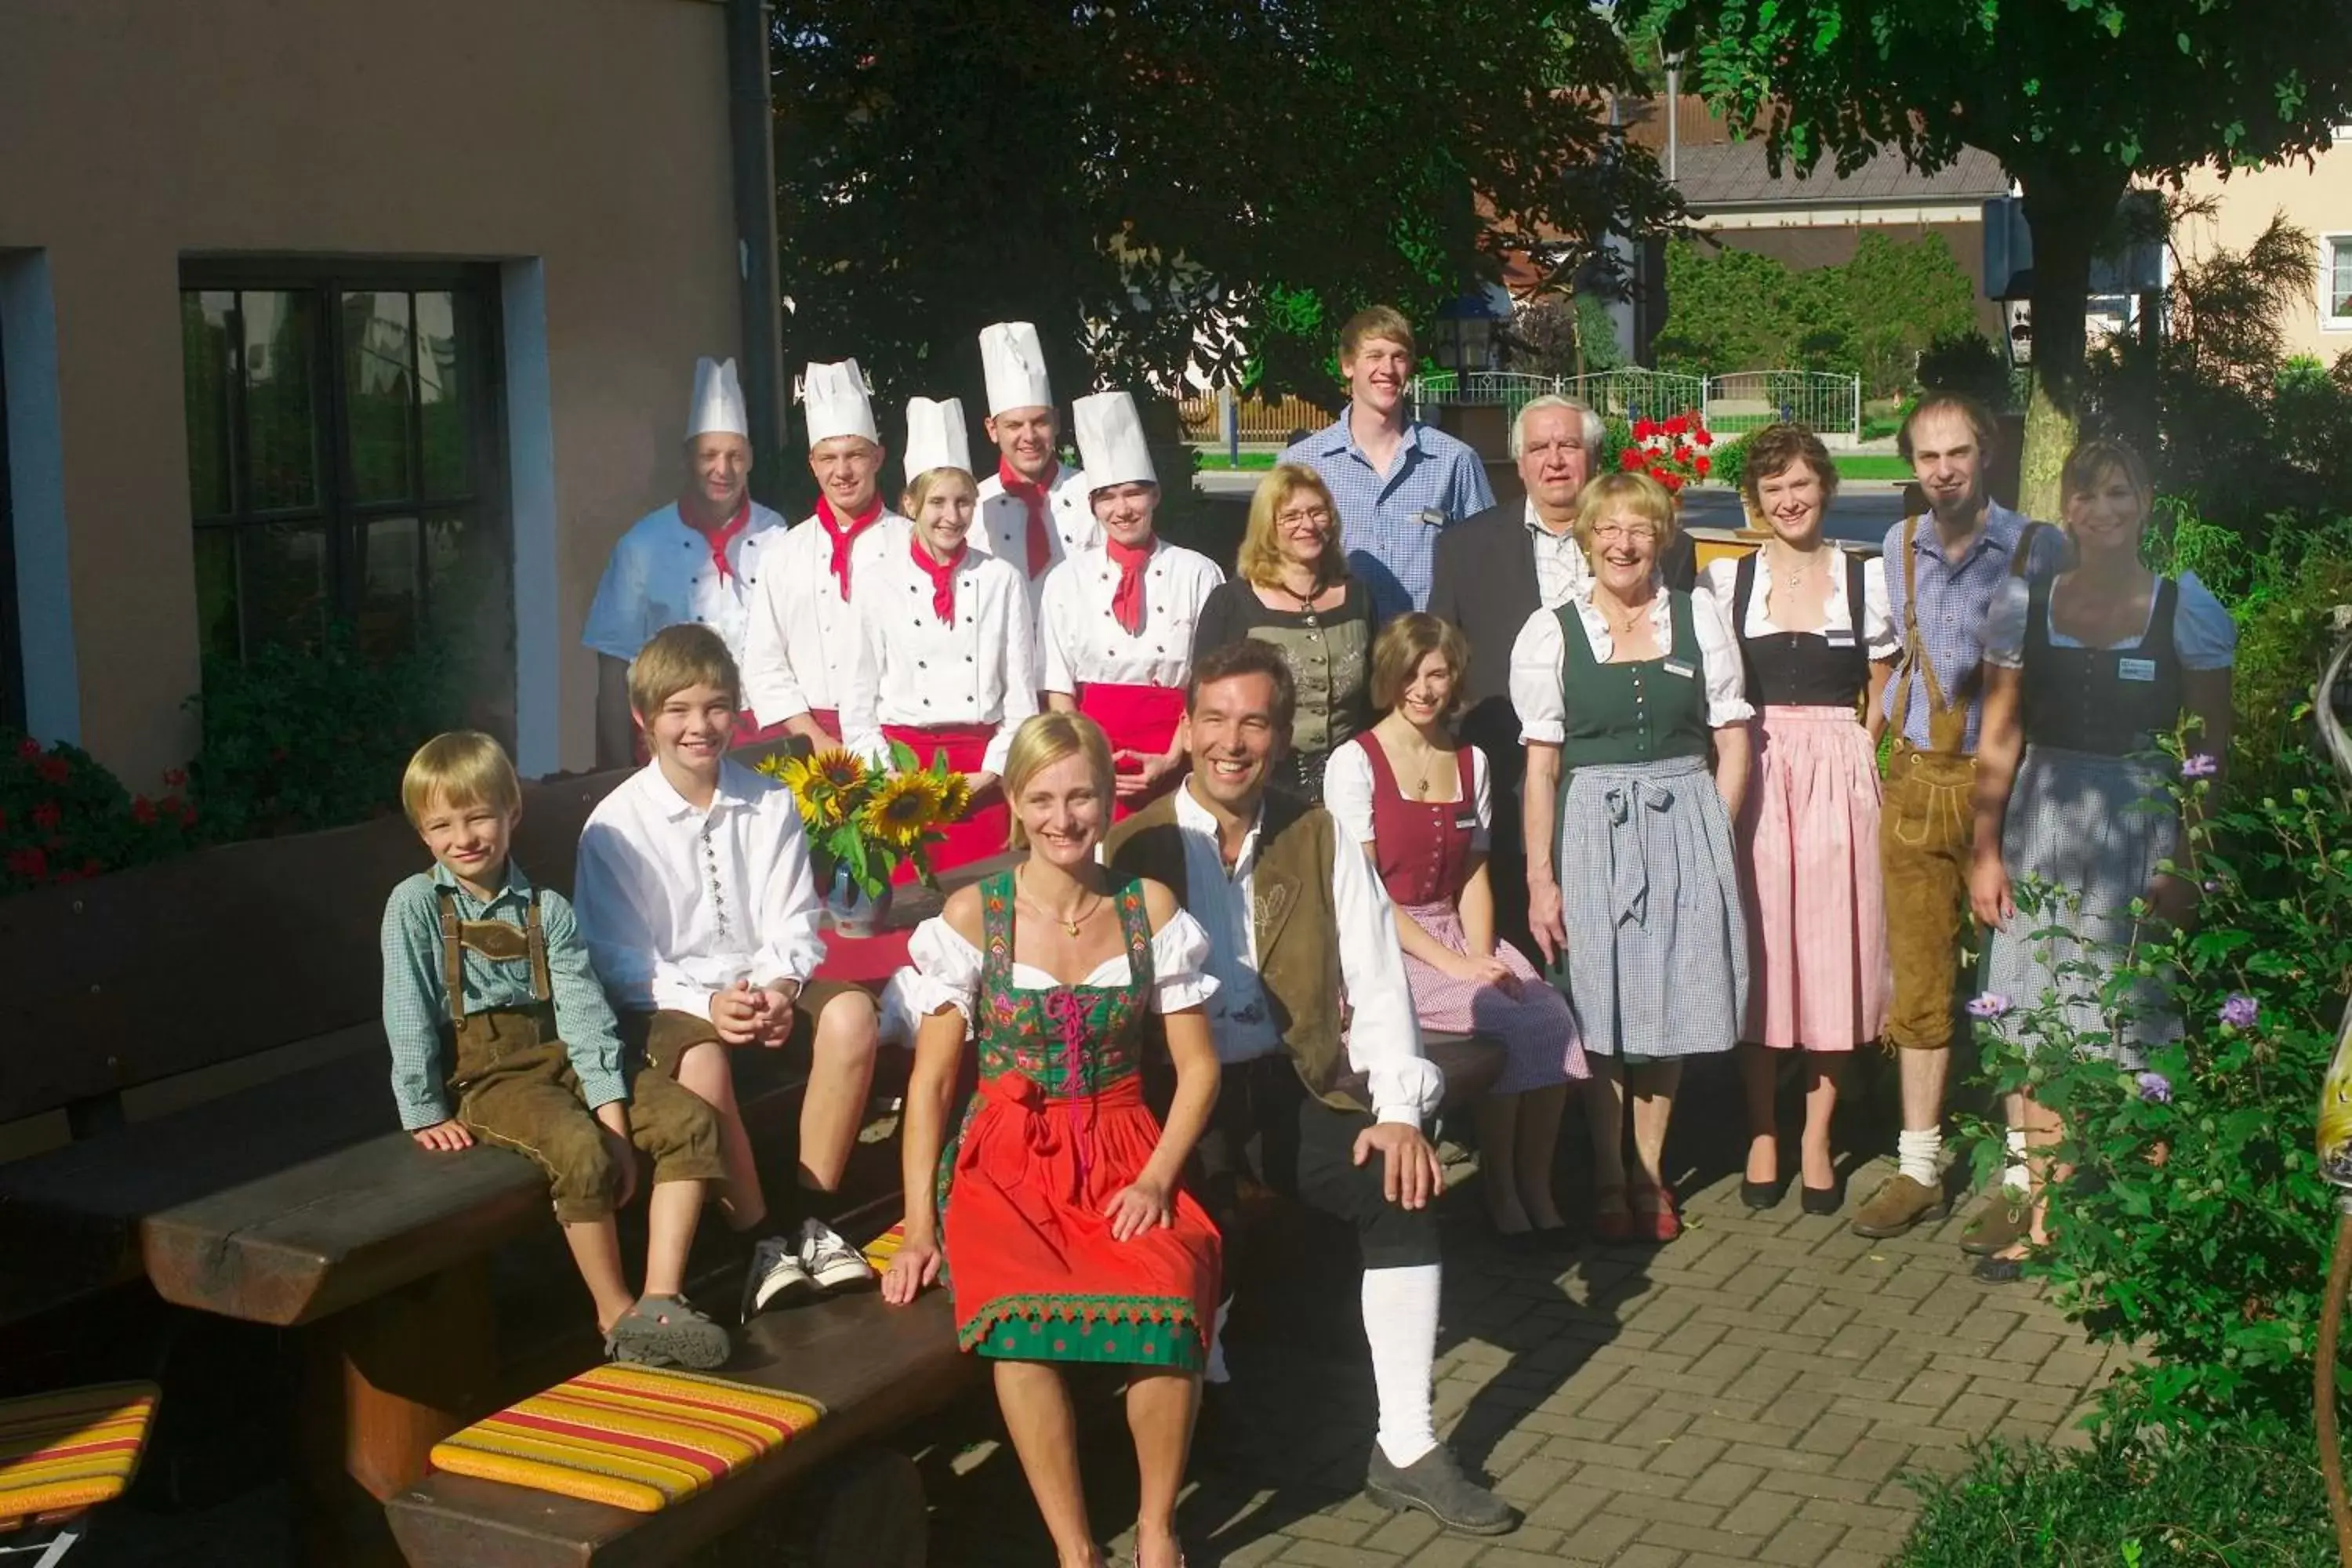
x=416, y=999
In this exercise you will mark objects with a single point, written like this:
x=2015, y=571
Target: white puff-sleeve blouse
x=943, y=970
x=2203, y=634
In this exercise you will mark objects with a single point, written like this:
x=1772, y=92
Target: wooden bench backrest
x=147, y=973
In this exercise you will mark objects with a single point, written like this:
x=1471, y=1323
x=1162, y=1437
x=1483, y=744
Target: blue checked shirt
x=1953, y=603
x=1390, y=526
x=417, y=1000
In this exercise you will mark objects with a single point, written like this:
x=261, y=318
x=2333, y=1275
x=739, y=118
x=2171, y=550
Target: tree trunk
x=2069, y=208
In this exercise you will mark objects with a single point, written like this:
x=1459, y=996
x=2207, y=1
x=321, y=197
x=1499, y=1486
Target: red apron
x=1137, y=718
x=982, y=831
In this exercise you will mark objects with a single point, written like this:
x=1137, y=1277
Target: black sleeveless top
x=2110, y=702
x=1803, y=669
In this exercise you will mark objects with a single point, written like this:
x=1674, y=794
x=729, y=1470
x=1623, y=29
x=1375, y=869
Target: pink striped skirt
x=1535, y=1028
x=1810, y=886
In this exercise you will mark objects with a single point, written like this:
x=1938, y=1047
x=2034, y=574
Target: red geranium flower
x=46, y=815
x=1645, y=428
x=1683, y=453
x=28, y=747
x=143, y=809
x=28, y=863
x=1631, y=457
x=53, y=769
x=175, y=777
x=1703, y=437
x=1700, y=466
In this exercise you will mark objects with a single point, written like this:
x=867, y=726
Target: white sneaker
x=775, y=1274
x=831, y=1262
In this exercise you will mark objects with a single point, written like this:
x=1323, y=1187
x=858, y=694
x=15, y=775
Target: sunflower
x=955, y=797
x=901, y=809
x=839, y=768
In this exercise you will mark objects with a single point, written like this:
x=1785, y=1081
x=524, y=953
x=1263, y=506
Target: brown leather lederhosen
x=514, y=1086
x=1929, y=821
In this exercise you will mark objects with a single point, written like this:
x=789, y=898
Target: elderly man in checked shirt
x=1399, y=482
x=1942, y=572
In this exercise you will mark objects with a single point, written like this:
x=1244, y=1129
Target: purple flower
x=2203, y=765
x=2155, y=1089
x=2239, y=1011
x=1991, y=1005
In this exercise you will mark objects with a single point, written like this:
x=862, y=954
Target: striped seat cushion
x=885, y=1247
x=61, y=1453
x=637, y=1437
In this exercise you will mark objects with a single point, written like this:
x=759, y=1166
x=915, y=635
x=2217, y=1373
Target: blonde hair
x=920, y=486
x=1376, y=322
x=1625, y=491
x=1260, y=561
x=463, y=767
x=1043, y=740
x=1404, y=642
x=677, y=657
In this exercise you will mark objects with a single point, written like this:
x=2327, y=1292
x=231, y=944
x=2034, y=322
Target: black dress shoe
x=1822, y=1200
x=1761, y=1194
x=1436, y=1485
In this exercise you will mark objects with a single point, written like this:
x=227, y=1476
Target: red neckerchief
x=1031, y=495
x=942, y=577
x=1127, y=599
x=725, y=534
x=843, y=538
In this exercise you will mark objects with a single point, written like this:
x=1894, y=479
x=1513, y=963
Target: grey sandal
x=666, y=1330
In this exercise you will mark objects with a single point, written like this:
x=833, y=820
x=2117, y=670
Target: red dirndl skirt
x=1032, y=1267
x=1137, y=718
x=984, y=827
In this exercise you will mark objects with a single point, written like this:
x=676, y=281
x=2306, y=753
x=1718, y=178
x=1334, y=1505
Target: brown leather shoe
x=1898, y=1205
x=2000, y=1223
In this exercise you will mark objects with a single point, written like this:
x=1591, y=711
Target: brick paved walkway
x=1752, y=1394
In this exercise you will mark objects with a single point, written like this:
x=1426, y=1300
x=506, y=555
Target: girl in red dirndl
x=1065, y=1237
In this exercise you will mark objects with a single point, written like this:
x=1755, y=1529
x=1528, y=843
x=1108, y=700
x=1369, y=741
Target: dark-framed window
x=12, y=629
x=346, y=462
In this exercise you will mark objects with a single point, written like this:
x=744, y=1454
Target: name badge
x=1466, y=821
x=1840, y=639
x=2134, y=670
x=1677, y=667
x=1430, y=517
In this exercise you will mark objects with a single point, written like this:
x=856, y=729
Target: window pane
x=470, y=599
x=216, y=625
x=282, y=576
x=2339, y=283
x=388, y=603
x=376, y=386
x=444, y=354
x=281, y=440
x=207, y=369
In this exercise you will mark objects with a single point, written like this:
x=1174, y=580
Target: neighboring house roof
x=1734, y=174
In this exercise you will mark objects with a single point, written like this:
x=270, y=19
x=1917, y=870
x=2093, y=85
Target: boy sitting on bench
x=499, y=1031
x=697, y=901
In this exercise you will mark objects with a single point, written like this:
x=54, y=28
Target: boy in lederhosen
x=500, y=1032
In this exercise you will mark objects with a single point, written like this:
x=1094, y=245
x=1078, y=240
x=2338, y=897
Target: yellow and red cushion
x=637, y=1437
x=62, y=1453
x=885, y=1247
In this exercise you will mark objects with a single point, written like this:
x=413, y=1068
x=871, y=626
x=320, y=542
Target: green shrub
x=296, y=738
x=63, y=817
x=2229, y=1498
x=1730, y=462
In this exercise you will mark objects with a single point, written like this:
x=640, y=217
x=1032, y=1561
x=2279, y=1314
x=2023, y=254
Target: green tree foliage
x=1731, y=309
x=2075, y=97
x=1162, y=181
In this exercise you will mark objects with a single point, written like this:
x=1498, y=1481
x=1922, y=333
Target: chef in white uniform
x=1032, y=511
x=803, y=636
x=698, y=558
x=947, y=661
x=1115, y=627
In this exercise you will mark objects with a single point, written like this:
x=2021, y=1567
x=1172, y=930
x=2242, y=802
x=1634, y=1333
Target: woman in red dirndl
x=1067, y=1238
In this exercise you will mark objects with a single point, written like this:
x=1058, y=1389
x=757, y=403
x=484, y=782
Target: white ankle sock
x=1400, y=1325
x=1917, y=1154
x=2017, y=1174
x=1214, y=1370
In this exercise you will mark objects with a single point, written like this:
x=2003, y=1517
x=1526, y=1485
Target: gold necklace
x=1070, y=924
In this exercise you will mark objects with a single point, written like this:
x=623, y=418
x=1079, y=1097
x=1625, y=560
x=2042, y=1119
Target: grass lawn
x=1870, y=466
x=1219, y=460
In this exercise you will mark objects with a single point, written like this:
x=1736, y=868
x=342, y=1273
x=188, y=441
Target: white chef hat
x=1015, y=363
x=1111, y=449
x=834, y=398
x=718, y=401
x=936, y=436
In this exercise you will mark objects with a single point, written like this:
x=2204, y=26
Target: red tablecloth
x=865, y=960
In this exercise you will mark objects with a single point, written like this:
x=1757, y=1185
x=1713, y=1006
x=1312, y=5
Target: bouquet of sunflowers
x=869, y=821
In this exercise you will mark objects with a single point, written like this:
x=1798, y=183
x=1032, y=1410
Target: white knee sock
x=1400, y=1325
x=1214, y=1370
x=1917, y=1154
x=2017, y=1174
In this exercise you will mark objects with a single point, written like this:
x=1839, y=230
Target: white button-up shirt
x=678, y=903
x=1383, y=1034
x=1720, y=581
x=1539, y=657
x=1080, y=639
x=802, y=647
x=915, y=670
x=661, y=575
x=1000, y=526
x=1561, y=569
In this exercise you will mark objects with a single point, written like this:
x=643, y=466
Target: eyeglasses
x=1610, y=533
x=1312, y=517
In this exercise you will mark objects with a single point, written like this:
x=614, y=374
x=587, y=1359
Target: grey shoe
x=2000, y=1223
x=666, y=1330
x=1436, y=1485
x=1898, y=1205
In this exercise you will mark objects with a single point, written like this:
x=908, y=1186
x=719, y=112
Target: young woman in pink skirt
x=1417, y=799
x=1815, y=638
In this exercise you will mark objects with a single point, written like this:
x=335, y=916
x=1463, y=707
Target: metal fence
x=1732, y=404
x=1825, y=400
x=1263, y=423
